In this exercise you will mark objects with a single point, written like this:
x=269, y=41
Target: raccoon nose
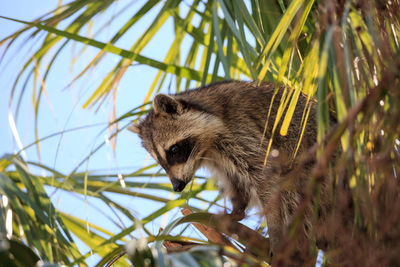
x=177, y=185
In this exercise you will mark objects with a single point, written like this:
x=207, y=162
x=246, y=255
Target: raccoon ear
x=167, y=104
x=134, y=128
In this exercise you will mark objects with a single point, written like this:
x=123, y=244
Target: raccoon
x=223, y=127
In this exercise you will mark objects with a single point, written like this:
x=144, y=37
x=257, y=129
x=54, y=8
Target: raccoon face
x=177, y=135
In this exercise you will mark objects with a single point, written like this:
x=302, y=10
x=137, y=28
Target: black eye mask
x=180, y=152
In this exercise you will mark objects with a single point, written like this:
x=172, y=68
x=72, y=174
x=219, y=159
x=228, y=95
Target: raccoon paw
x=238, y=215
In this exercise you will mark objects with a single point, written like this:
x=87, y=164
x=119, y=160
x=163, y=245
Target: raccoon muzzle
x=177, y=185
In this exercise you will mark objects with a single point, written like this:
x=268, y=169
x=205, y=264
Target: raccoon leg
x=275, y=228
x=239, y=198
x=294, y=249
x=239, y=207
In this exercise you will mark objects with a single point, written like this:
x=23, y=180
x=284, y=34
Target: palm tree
x=343, y=54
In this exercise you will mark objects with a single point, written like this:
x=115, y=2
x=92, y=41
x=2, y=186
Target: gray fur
x=226, y=121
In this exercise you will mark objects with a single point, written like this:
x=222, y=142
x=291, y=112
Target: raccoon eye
x=179, y=152
x=174, y=149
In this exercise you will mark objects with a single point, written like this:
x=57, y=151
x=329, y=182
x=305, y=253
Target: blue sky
x=62, y=108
